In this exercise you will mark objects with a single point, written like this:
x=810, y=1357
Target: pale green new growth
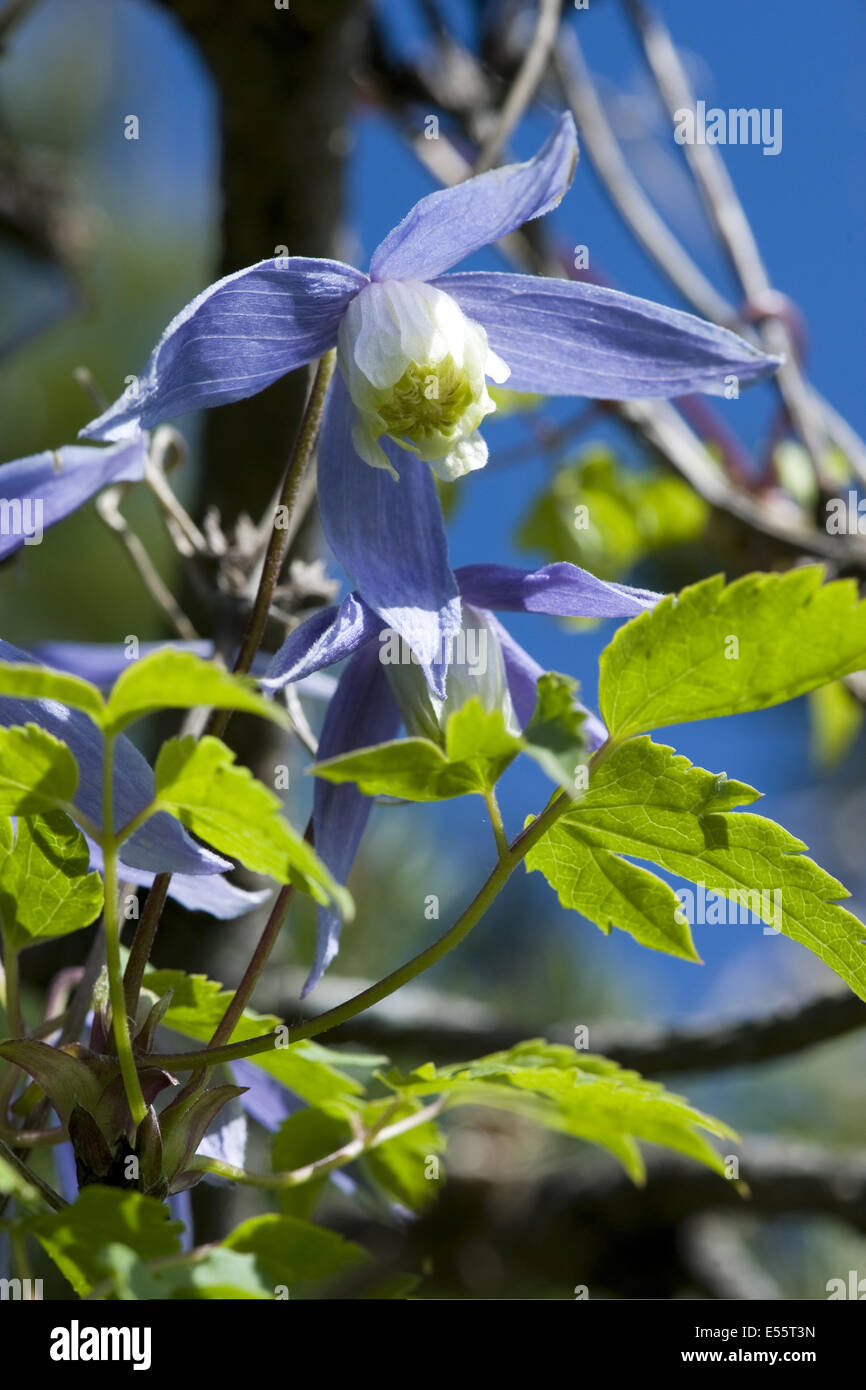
x=200, y=783
x=26, y=682
x=37, y=771
x=170, y=679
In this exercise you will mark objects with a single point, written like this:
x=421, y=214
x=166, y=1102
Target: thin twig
x=727, y=215
x=108, y=508
x=525, y=83
x=639, y=214
x=53, y=1198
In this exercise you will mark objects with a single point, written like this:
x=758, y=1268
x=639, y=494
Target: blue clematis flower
x=39, y=491
x=161, y=845
x=373, y=696
x=416, y=347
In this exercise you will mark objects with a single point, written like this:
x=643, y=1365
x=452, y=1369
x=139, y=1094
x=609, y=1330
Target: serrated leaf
x=611, y=892
x=26, y=681
x=46, y=889
x=170, y=679
x=200, y=784
x=101, y=1216
x=574, y=1093
x=198, y=1004
x=650, y=803
x=721, y=649
x=37, y=771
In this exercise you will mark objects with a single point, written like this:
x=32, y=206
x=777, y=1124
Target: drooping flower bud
x=416, y=370
x=475, y=670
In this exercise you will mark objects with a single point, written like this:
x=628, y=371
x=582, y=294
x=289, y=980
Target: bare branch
x=525, y=83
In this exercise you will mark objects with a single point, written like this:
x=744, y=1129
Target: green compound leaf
x=577, y=1094
x=648, y=802
x=37, y=771
x=478, y=748
x=46, y=888
x=198, y=1004
x=76, y=1237
x=199, y=783
x=170, y=679
x=27, y=682
x=723, y=649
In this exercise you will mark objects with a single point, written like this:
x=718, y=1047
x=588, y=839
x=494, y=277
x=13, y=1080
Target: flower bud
x=475, y=670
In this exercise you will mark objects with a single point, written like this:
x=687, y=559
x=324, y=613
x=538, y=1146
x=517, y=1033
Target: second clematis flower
x=416, y=348
x=378, y=691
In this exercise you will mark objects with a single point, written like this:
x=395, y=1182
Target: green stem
x=52, y=1198
x=342, y=1013
x=496, y=821
x=120, y=1023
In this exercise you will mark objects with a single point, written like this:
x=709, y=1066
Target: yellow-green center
x=428, y=399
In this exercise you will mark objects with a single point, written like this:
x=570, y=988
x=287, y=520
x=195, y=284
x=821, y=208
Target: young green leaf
x=46, y=888
x=37, y=771
x=647, y=802
x=477, y=749
x=723, y=649
x=27, y=682
x=200, y=783
x=169, y=679
x=554, y=735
